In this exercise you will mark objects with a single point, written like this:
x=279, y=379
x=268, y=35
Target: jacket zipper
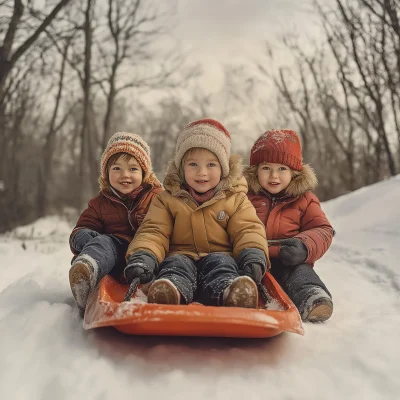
x=136, y=204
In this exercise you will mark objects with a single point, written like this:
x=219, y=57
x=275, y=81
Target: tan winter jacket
x=176, y=224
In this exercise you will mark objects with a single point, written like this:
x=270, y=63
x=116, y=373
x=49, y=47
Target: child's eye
x=134, y=169
x=212, y=165
x=192, y=164
x=266, y=168
x=282, y=168
x=115, y=168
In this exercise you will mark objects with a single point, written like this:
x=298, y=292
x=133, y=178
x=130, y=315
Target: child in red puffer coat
x=104, y=230
x=298, y=232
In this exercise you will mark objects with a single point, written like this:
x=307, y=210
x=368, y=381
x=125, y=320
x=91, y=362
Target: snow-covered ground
x=46, y=354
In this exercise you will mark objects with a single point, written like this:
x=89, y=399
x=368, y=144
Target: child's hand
x=253, y=270
x=141, y=265
x=293, y=252
x=138, y=270
x=81, y=238
x=252, y=262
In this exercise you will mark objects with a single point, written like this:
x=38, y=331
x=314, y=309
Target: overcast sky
x=220, y=31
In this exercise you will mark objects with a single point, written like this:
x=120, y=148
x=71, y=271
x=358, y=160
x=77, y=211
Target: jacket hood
x=234, y=182
x=304, y=181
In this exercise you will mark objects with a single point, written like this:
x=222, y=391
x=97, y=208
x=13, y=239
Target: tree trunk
x=84, y=165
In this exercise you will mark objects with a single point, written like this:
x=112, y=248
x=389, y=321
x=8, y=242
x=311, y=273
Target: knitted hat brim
x=140, y=156
x=204, y=136
x=213, y=147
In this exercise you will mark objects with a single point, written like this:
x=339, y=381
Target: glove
x=252, y=263
x=81, y=238
x=293, y=252
x=142, y=265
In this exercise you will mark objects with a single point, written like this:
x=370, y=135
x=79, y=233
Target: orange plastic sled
x=137, y=317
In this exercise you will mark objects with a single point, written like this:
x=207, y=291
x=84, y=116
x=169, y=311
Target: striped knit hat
x=207, y=134
x=123, y=142
x=278, y=147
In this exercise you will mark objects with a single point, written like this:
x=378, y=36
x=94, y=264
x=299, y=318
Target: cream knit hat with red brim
x=206, y=134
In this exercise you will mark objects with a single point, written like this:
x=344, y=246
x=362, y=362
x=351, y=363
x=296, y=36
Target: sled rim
x=106, y=308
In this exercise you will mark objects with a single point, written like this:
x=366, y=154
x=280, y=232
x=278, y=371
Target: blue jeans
x=108, y=252
x=205, y=279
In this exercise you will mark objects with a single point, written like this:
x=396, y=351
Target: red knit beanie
x=279, y=147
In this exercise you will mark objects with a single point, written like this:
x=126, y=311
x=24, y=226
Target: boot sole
x=79, y=274
x=243, y=293
x=321, y=311
x=163, y=292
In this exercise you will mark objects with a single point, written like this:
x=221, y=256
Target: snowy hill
x=46, y=354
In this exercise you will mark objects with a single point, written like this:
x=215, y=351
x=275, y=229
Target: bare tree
x=9, y=58
x=359, y=40
x=46, y=169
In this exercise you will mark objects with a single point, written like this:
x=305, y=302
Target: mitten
x=252, y=262
x=142, y=265
x=81, y=238
x=293, y=252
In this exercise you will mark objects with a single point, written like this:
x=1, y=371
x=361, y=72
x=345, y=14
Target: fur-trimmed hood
x=304, y=181
x=234, y=182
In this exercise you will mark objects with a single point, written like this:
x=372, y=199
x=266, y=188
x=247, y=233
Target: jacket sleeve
x=245, y=229
x=89, y=219
x=141, y=214
x=155, y=231
x=316, y=231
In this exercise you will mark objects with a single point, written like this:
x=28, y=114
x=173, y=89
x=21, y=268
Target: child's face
x=274, y=177
x=202, y=170
x=125, y=176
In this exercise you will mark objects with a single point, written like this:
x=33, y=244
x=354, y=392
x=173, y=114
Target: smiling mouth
x=125, y=183
x=201, y=181
x=274, y=183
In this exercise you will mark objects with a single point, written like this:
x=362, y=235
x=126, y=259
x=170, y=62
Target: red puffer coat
x=297, y=213
x=107, y=214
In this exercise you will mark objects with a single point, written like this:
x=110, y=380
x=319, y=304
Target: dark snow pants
x=108, y=251
x=205, y=279
x=298, y=282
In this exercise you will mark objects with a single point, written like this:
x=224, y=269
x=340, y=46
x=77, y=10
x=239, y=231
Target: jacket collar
x=233, y=183
x=113, y=195
x=303, y=182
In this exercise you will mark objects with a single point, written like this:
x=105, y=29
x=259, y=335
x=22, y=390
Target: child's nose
x=274, y=173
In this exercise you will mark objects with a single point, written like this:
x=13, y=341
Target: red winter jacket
x=295, y=214
x=107, y=214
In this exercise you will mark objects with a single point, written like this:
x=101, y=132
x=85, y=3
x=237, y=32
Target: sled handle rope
x=133, y=286
x=264, y=293
x=275, y=242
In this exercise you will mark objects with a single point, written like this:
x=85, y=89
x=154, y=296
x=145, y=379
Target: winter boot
x=318, y=307
x=82, y=279
x=242, y=292
x=163, y=291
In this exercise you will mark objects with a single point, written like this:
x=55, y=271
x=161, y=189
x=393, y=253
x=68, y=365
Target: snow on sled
x=106, y=307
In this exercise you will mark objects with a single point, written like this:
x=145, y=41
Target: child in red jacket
x=298, y=232
x=103, y=232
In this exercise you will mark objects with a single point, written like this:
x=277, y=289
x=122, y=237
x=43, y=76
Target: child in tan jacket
x=201, y=237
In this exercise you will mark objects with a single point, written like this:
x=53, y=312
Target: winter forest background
x=74, y=72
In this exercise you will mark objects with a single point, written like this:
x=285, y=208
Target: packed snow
x=46, y=353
